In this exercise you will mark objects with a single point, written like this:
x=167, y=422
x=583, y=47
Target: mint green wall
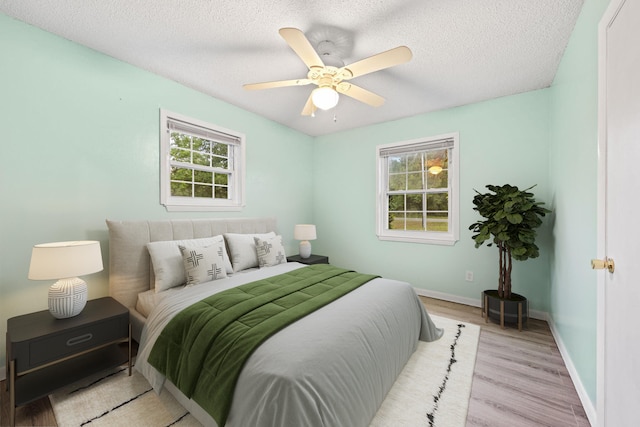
x=573, y=171
x=80, y=143
x=501, y=141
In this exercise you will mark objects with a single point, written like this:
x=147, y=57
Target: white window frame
x=236, y=142
x=427, y=237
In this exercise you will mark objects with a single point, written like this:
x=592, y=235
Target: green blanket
x=204, y=347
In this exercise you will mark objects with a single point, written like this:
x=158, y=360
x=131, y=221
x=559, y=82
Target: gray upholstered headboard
x=130, y=269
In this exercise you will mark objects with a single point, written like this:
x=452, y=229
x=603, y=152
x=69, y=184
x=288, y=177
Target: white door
x=619, y=214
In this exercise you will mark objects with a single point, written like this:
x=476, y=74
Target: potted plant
x=511, y=217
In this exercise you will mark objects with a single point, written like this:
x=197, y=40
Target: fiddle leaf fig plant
x=511, y=217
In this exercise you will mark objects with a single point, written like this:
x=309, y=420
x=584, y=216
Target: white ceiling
x=464, y=51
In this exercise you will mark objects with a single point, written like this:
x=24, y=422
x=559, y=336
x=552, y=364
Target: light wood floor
x=519, y=380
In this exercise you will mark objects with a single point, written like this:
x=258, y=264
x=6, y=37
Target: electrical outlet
x=469, y=276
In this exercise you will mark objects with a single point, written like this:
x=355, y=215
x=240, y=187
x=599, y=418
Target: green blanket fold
x=204, y=347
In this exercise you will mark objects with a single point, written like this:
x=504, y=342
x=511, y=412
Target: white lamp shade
x=65, y=261
x=60, y=260
x=325, y=98
x=304, y=232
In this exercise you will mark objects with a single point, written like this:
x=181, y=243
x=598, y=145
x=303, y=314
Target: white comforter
x=331, y=368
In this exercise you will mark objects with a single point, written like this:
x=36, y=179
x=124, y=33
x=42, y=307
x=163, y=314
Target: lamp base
x=305, y=249
x=67, y=297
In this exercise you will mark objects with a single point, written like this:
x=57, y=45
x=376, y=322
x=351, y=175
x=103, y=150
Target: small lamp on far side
x=304, y=233
x=65, y=261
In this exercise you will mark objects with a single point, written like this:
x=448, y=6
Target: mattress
x=331, y=368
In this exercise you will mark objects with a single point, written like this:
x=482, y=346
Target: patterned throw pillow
x=242, y=248
x=203, y=264
x=270, y=251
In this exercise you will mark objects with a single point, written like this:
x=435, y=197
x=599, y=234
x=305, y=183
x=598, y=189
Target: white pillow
x=146, y=302
x=270, y=251
x=242, y=249
x=203, y=264
x=166, y=259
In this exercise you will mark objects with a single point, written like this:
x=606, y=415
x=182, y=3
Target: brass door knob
x=601, y=264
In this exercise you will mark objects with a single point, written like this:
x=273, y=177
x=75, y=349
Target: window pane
x=180, y=141
x=222, y=179
x=181, y=174
x=180, y=155
x=202, y=145
x=439, y=180
x=397, y=164
x=205, y=191
x=414, y=221
x=438, y=222
x=222, y=192
x=203, y=177
x=414, y=202
x=220, y=149
x=414, y=162
x=201, y=159
x=396, y=202
x=396, y=221
x=220, y=162
x=397, y=182
x=414, y=181
x=437, y=158
x=438, y=202
x=180, y=189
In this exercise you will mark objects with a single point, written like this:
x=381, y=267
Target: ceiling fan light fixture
x=325, y=98
x=435, y=170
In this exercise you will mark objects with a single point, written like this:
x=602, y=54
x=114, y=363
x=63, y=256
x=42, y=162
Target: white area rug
x=433, y=390
x=434, y=387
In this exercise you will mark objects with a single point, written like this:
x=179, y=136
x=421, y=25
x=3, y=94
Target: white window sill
x=431, y=240
x=188, y=208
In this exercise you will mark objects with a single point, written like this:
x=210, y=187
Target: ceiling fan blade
x=389, y=58
x=309, y=107
x=362, y=95
x=301, y=46
x=280, y=83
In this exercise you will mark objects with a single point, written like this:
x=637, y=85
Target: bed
x=332, y=367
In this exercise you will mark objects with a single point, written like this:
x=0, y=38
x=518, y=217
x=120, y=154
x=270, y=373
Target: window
x=418, y=190
x=202, y=165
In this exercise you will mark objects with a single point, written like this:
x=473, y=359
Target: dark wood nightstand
x=45, y=353
x=313, y=259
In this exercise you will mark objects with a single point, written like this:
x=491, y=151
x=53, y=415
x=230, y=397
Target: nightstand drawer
x=70, y=342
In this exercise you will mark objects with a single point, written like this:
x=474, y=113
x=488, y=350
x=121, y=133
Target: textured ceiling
x=464, y=51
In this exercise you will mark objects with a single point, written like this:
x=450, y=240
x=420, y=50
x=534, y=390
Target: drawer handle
x=79, y=340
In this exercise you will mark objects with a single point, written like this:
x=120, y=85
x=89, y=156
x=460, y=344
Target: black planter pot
x=514, y=311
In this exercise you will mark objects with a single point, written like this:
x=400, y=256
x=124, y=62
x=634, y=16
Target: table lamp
x=304, y=233
x=65, y=261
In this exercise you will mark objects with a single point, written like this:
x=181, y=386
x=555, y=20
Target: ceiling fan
x=331, y=76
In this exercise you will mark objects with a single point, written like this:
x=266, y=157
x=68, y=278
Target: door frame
x=607, y=18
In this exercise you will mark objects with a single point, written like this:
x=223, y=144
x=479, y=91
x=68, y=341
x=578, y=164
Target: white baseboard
x=473, y=302
x=588, y=406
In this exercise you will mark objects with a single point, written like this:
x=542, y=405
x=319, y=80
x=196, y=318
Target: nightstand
x=45, y=353
x=313, y=259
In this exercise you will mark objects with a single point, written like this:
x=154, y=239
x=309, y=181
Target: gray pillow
x=270, y=251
